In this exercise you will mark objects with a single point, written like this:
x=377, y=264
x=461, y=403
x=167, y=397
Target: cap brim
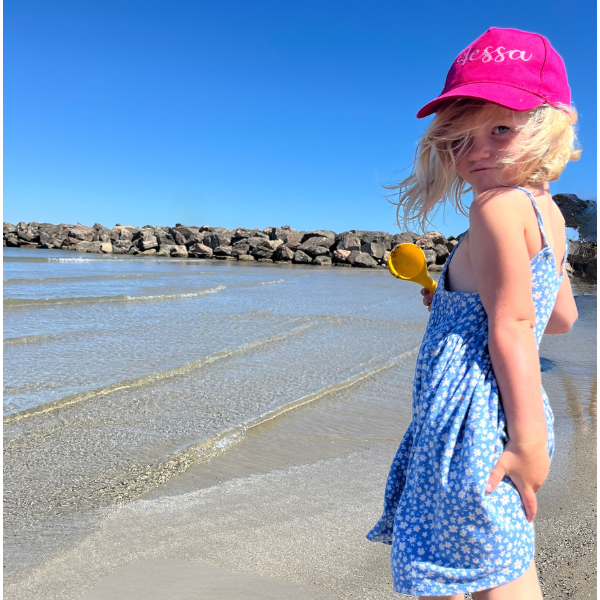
x=498, y=93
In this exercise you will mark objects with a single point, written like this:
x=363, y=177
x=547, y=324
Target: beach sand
x=299, y=532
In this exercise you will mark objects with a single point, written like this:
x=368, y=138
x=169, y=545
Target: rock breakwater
x=353, y=248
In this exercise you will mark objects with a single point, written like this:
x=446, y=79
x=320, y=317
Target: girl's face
x=479, y=164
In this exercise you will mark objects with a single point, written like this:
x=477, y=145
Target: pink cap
x=516, y=69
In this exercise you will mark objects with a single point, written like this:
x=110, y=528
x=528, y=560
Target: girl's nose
x=479, y=149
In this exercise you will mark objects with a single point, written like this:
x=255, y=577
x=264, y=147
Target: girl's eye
x=501, y=129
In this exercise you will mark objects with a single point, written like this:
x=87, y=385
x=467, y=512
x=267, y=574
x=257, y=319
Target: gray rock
x=264, y=250
x=240, y=234
x=294, y=239
x=123, y=233
x=430, y=240
x=219, y=237
x=239, y=248
x=379, y=237
x=375, y=249
x=89, y=247
x=179, y=251
x=28, y=233
x=430, y=256
x=246, y=258
x=106, y=248
x=436, y=242
x=11, y=240
x=82, y=233
x=320, y=233
x=9, y=228
x=278, y=233
x=101, y=234
x=348, y=241
x=145, y=239
x=283, y=254
x=301, y=257
x=200, y=251
x=316, y=246
x=341, y=256
x=361, y=259
x=583, y=259
x=164, y=236
x=442, y=253
x=121, y=246
x=579, y=214
x=183, y=235
x=322, y=261
x=406, y=237
x=165, y=250
x=222, y=251
x=255, y=241
x=51, y=236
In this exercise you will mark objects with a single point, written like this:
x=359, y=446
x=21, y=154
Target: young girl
x=460, y=496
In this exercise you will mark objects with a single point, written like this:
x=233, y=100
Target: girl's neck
x=537, y=189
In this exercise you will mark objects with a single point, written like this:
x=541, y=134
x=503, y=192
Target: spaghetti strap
x=537, y=213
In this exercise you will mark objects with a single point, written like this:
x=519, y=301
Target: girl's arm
x=501, y=265
x=565, y=312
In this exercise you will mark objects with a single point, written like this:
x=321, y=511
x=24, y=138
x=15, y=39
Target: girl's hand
x=427, y=298
x=527, y=464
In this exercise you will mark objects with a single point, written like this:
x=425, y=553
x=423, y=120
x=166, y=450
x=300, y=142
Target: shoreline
x=300, y=518
x=353, y=248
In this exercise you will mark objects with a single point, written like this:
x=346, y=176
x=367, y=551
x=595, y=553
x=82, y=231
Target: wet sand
x=305, y=525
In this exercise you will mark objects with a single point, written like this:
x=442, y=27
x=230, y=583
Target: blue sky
x=247, y=114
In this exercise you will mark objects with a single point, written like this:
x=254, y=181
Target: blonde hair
x=546, y=148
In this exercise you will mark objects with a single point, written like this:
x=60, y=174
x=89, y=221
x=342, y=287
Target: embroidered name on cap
x=487, y=55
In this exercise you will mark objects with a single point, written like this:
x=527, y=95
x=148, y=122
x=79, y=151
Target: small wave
x=19, y=303
x=270, y=282
x=76, y=279
x=153, y=377
x=30, y=339
x=205, y=449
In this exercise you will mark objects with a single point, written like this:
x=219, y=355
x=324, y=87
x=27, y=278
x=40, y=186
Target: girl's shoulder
x=499, y=208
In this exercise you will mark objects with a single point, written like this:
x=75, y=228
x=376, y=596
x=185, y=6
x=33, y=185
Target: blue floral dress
x=447, y=535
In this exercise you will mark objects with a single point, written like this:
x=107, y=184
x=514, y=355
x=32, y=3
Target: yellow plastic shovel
x=408, y=262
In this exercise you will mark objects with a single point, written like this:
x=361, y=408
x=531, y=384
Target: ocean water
x=123, y=374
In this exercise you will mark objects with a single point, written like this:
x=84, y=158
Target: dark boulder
x=265, y=249
x=375, y=249
x=283, y=254
x=348, y=240
x=240, y=248
x=580, y=215
x=222, y=251
x=361, y=259
x=316, y=246
x=406, y=237
x=301, y=257
x=200, y=251
x=320, y=233
x=81, y=233
x=341, y=256
x=294, y=239
x=145, y=239
x=379, y=237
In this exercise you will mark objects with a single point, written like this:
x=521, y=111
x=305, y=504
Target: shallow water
x=124, y=373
